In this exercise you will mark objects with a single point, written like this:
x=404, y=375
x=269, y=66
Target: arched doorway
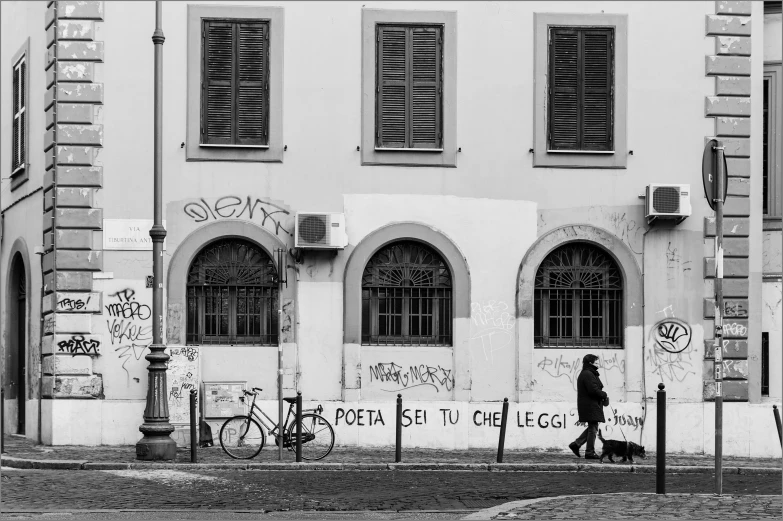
x=17, y=336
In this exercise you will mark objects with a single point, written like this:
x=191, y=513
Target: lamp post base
x=155, y=448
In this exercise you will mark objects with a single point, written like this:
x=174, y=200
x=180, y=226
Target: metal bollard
x=398, y=453
x=777, y=422
x=660, y=450
x=502, y=440
x=299, y=427
x=2, y=421
x=193, y=442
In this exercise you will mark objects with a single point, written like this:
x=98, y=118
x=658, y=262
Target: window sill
x=378, y=149
x=772, y=223
x=606, y=152
x=538, y=346
x=206, y=145
x=18, y=170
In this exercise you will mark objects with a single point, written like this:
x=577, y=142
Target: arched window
x=232, y=295
x=406, y=297
x=578, y=298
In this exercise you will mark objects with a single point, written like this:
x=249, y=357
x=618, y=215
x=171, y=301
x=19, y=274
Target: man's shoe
x=592, y=456
x=575, y=449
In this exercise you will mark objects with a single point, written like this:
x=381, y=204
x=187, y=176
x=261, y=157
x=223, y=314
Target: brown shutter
x=253, y=86
x=563, y=89
x=218, y=83
x=581, y=89
x=391, y=96
x=597, y=90
x=425, y=105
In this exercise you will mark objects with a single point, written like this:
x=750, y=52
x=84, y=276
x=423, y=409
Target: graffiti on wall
x=248, y=208
x=437, y=377
x=79, y=345
x=128, y=322
x=491, y=326
x=670, y=356
x=672, y=335
x=567, y=366
x=674, y=262
x=626, y=228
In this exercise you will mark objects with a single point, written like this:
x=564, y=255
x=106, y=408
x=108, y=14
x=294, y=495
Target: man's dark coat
x=589, y=395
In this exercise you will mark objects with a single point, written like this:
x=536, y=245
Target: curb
x=29, y=464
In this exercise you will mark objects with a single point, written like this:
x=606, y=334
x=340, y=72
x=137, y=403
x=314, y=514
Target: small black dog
x=626, y=450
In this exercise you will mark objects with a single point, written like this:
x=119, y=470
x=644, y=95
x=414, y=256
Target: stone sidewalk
x=24, y=453
x=638, y=506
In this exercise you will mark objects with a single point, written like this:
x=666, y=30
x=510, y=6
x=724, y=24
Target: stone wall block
x=75, y=155
x=730, y=126
x=75, y=197
x=732, y=8
x=79, y=51
x=91, y=218
x=80, y=260
x=733, y=45
x=48, y=220
x=732, y=86
x=71, y=72
x=736, y=207
x=78, y=387
x=731, y=267
x=739, y=187
x=83, y=113
x=49, y=16
x=736, y=147
x=738, y=166
x=735, y=328
x=736, y=246
x=80, y=92
x=70, y=134
x=727, y=65
x=74, y=30
x=70, y=9
x=732, y=308
x=735, y=287
x=68, y=323
x=733, y=348
x=67, y=365
x=726, y=106
x=72, y=302
x=81, y=176
x=731, y=227
x=74, y=239
x=78, y=346
x=48, y=200
x=733, y=391
x=733, y=369
x=49, y=98
x=722, y=25
x=50, y=56
x=69, y=280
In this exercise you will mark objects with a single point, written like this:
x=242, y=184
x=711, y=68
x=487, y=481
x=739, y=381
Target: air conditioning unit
x=320, y=231
x=667, y=201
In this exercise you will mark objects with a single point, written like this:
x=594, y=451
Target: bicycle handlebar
x=248, y=393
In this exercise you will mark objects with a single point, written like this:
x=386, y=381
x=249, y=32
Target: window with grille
x=235, y=82
x=409, y=86
x=232, y=295
x=581, y=88
x=406, y=297
x=19, y=128
x=578, y=299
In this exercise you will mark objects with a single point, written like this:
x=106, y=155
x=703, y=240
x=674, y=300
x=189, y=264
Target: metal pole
x=719, y=188
x=777, y=423
x=502, y=440
x=660, y=450
x=157, y=443
x=193, y=441
x=299, y=427
x=2, y=421
x=280, y=375
x=398, y=452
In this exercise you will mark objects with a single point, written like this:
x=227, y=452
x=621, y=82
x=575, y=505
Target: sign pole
x=718, y=198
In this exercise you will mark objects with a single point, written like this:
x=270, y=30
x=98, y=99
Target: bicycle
x=241, y=437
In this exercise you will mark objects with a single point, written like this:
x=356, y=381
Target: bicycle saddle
x=290, y=400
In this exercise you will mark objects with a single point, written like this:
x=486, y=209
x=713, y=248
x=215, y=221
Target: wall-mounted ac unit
x=667, y=201
x=320, y=231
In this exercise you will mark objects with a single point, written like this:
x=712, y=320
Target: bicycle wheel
x=317, y=436
x=242, y=437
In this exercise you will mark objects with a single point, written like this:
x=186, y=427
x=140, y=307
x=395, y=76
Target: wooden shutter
x=253, y=87
x=22, y=114
x=425, y=88
x=392, y=88
x=235, y=86
x=580, y=89
x=409, y=87
x=15, y=115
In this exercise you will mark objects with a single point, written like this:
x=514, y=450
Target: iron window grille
x=406, y=297
x=232, y=295
x=578, y=299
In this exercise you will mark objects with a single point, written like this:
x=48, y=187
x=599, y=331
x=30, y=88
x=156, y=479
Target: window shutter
x=581, y=88
x=392, y=86
x=23, y=115
x=15, y=93
x=218, y=83
x=425, y=83
x=253, y=93
x=564, y=90
x=597, y=90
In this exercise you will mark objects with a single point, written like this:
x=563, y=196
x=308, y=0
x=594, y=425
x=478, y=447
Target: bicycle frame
x=269, y=424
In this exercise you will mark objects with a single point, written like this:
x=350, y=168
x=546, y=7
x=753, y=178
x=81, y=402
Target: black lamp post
x=157, y=443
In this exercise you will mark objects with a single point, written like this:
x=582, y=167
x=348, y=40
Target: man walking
x=590, y=402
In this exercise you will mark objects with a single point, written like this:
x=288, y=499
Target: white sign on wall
x=128, y=234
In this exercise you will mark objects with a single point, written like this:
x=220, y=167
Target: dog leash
x=627, y=445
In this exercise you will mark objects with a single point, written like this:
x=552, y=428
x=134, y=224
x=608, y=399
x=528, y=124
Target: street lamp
x=157, y=443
